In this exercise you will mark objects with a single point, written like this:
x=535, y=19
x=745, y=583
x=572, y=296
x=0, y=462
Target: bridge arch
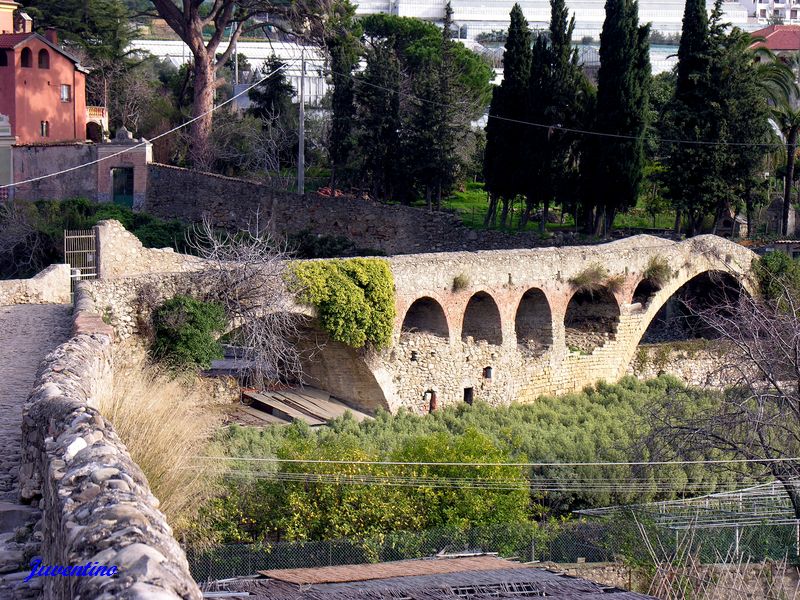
x=591, y=319
x=679, y=314
x=482, y=320
x=425, y=315
x=533, y=322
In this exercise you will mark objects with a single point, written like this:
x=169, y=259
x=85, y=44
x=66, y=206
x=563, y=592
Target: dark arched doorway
x=482, y=320
x=533, y=322
x=591, y=320
x=425, y=315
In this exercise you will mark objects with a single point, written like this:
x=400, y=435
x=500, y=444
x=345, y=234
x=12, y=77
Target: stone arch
x=645, y=291
x=533, y=322
x=680, y=315
x=425, y=315
x=591, y=320
x=94, y=132
x=482, y=320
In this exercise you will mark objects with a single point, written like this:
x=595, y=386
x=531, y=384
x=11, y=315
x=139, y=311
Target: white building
x=478, y=16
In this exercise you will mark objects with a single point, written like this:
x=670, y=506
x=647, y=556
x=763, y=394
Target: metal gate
x=80, y=254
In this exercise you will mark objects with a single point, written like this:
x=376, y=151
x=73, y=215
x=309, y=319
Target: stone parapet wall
x=96, y=501
x=121, y=254
x=50, y=286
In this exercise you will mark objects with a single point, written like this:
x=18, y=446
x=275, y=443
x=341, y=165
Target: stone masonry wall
x=175, y=193
x=695, y=362
x=96, y=501
x=34, y=161
x=121, y=254
x=51, y=285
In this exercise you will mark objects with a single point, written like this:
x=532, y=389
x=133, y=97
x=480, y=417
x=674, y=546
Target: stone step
x=14, y=515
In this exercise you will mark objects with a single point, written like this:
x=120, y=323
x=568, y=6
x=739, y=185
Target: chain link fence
x=559, y=542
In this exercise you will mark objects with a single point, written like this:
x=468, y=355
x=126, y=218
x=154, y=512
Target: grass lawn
x=471, y=205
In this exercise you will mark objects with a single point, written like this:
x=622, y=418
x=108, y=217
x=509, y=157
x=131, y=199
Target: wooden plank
x=277, y=404
x=306, y=405
x=327, y=409
x=260, y=414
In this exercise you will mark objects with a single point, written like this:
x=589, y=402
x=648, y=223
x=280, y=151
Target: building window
x=44, y=59
x=44, y=128
x=27, y=58
x=3, y=58
x=66, y=93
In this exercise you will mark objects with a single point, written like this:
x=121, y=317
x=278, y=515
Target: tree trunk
x=791, y=149
x=599, y=221
x=439, y=197
x=545, y=214
x=200, y=150
x=491, y=213
x=504, y=213
x=609, y=224
x=677, y=222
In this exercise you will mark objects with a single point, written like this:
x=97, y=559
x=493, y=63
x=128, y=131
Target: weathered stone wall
x=696, y=363
x=121, y=254
x=96, y=501
x=34, y=161
x=51, y=285
x=175, y=193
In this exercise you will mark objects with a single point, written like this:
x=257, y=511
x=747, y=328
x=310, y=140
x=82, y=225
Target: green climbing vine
x=354, y=298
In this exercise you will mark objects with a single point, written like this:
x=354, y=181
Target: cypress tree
x=506, y=163
x=622, y=108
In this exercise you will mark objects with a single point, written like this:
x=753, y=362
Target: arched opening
x=685, y=315
x=482, y=320
x=425, y=315
x=94, y=132
x=3, y=58
x=591, y=320
x=44, y=59
x=645, y=291
x=534, y=322
x=26, y=58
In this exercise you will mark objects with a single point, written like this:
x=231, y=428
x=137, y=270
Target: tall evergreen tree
x=378, y=118
x=615, y=164
x=272, y=99
x=506, y=162
x=556, y=99
x=344, y=50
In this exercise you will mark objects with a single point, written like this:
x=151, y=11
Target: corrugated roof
x=402, y=568
x=517, y=581
x=779, y=37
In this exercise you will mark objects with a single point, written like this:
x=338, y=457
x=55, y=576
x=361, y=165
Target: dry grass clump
x=596, y=278
x=166, y=423
x=460, y=282
x=658, y=271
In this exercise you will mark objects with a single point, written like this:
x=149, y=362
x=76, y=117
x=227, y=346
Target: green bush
x=658, y=271
x=354, y=298
x=185, y=331
x=777, y=273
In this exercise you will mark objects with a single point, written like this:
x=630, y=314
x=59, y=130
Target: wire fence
x=559, y=542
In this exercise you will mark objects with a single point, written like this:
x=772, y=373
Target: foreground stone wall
x=96, y=501
x=50, y=286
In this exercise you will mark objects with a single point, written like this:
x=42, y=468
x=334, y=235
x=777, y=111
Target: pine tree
x=272, y=99
x=378, y=118
x=506, y=162
x=616, y=164
x=344, y=49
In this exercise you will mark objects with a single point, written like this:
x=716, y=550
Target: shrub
x=658, y=271
x=165, y=427
x=594, y=278
x=460, y=282
x=185, y=331
x=354, y=298
x=777, y=273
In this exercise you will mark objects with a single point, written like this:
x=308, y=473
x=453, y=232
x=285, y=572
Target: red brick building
x=42, y=88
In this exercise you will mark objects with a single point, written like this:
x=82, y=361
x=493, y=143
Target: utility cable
x=140, y=144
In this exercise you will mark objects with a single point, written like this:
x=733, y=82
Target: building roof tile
x=779, y=38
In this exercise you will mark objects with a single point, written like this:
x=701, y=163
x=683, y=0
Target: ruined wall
x=51, y=285
x=96, y=501
x=121, y=254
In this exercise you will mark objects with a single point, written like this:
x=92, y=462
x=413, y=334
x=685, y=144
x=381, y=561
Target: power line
x=509, y=464
x=140, y=144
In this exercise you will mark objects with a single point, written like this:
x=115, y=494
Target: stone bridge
x=510, y=325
